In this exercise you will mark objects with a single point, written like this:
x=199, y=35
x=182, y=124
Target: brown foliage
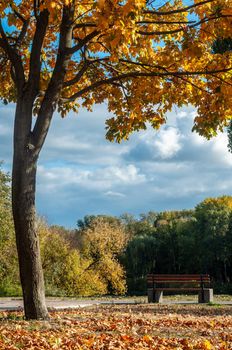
x=123, y=327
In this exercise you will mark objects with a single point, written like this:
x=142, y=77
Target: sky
x=80, y=173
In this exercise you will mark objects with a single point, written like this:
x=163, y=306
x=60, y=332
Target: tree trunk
x=23, y=202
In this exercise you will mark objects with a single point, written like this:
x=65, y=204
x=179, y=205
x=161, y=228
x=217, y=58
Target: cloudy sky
x=81, y=173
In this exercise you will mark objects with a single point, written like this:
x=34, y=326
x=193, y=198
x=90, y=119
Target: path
x=62, y=303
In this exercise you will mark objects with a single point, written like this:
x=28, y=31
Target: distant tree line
x=193, y=241
x=111, y=255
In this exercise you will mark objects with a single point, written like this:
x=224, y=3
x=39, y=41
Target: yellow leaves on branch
x=3, y=6
x=119, y=19
x=51, y=5
x=55, y=7
x=129, y=39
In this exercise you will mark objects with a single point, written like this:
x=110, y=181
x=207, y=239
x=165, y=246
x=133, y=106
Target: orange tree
x=139, y=57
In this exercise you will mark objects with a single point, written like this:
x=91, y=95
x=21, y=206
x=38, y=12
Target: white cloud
x=182, y=114
x=165, y=143
x=114, y=194
x=98, y=179
x=219, y=147
x=197, y=140
x=186, y=113
x=81, y=140
x=128, y=174
x=168, y=142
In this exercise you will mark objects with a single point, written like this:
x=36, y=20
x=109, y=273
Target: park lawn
x=112, y=327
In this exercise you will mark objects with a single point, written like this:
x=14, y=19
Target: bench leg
x=150, y=295
x=205, y=296
x=154, y=296
x=158, y=296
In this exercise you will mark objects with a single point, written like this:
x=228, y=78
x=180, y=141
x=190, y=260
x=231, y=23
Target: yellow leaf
x=206, y=345
x=147, y=338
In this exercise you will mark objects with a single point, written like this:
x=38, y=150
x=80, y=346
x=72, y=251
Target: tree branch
x=22, y=33
x=222, y=80
x=164, y=22
x=14, y=58
x=184, y=9
x=82, y=42
x=35, y=59
x=83, y=70
x=182, y=29
x=141, y=74
x=56, y=83
x=18, y=14
x=84, y=25
x=35, y=6
x=78, y=76
x=24, y=28
x=194, y=85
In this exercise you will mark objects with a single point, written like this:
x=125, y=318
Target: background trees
x=213, y=233
x=197, y=241
x=110, y=255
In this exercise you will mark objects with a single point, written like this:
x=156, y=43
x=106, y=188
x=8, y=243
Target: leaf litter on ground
x=130, y=327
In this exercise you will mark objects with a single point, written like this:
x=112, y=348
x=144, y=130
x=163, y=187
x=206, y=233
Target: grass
x=219, y=298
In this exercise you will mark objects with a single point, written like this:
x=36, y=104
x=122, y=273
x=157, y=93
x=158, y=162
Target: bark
x=23, y=202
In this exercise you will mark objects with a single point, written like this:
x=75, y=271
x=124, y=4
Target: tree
x=213, y=235
x=100, y=242
x=139, y=259
x=88, y=221
x=64, y=267
x=9, y=276
x=140, y=57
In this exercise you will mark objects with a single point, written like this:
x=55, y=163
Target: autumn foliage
x=141, y=57
x=127, y=327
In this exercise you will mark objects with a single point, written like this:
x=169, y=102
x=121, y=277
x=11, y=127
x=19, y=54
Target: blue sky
x=81, y=173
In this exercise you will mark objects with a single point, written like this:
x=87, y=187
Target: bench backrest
x=153, y=279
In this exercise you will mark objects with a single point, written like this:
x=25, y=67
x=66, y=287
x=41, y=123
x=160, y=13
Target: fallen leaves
x=122, y=327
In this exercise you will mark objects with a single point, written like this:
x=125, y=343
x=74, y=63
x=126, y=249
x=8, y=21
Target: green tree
x=213, y=219
x=160, y=243
x=139, y=259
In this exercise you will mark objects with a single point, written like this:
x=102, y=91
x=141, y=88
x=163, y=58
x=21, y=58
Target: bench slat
x=176, y=289
x=179, y=280
x=178, y=276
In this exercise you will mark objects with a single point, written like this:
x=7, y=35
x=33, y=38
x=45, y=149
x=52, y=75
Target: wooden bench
x=157, y=284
